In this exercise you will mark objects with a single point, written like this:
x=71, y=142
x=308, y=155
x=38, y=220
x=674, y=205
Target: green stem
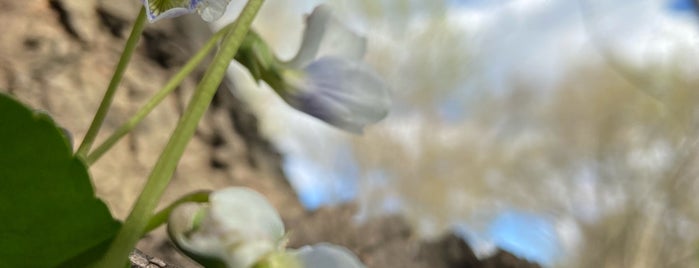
x=157, y=98
x=113, y=84
x=163, y=215
x=136, y=222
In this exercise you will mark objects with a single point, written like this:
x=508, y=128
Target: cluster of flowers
x=326, y=79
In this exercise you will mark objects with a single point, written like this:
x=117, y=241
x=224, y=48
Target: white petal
x=181, y=226
x=327, y=255
x=211, y=10
x=347, y=94
x=324, y=36
x=238, y=208
x=239, y=227
x=341, y=41
x=249, y=253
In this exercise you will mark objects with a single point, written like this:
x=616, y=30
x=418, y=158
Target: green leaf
x=49, y=214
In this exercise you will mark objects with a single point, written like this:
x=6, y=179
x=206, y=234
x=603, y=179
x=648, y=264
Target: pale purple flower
x=328, y=79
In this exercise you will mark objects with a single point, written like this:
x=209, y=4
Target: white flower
x=328, y=80
x=209, y=10
x=238, y=227
x=327, y=255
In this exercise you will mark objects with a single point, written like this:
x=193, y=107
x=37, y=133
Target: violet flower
x=327, y=78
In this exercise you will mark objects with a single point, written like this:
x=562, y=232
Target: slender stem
x=164, y=168
x=163, y=215
x=157, y=98
x=113, y=84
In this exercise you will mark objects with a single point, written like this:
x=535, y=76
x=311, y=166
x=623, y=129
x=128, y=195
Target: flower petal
x=211, y=10
x=238, y=208
x=324, y=36
x=346, y=94
x=327, y=255
x=161, y=9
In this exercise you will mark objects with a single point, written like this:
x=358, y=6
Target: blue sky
x=682, y=6
x=319, y=185
x=529, y=235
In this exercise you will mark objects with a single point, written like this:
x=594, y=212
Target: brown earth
x=58, y=55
